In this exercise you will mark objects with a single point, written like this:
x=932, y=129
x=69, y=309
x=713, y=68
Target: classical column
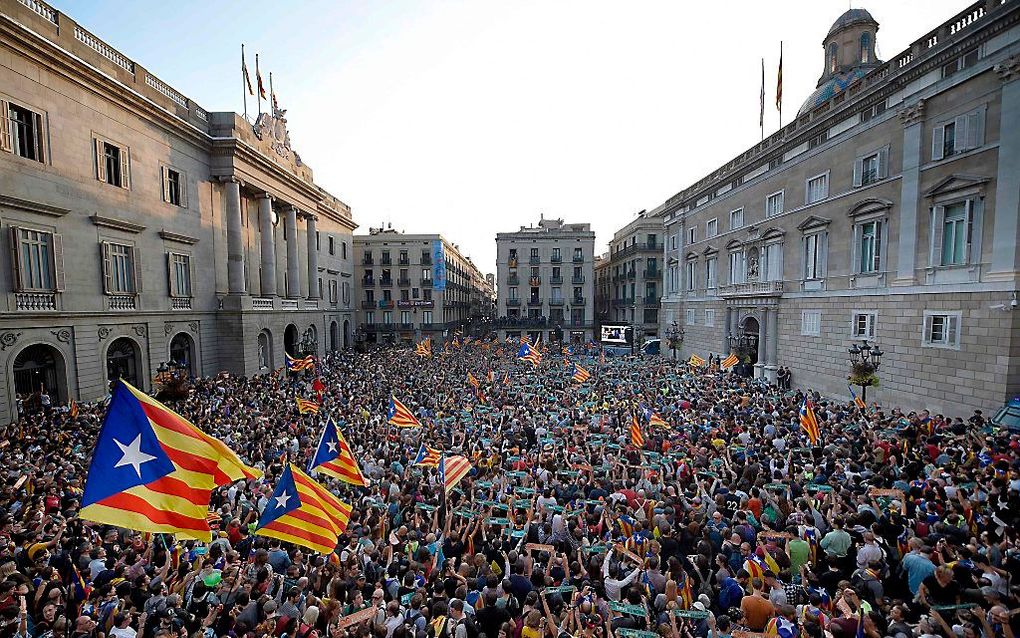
x=1007, y=183
x=910, y=193
x=293, y=277
x=313, y=258
x=268, y=245
x=235, y=239
x=727, y=330
x=759, y=368
x=772, y=345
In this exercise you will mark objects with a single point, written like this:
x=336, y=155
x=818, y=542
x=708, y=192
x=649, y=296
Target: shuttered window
x=963, y=133
x=941, y=329
x=871, y=167
x=120, y=269
x=180, y=275
x=37, y=260
x=112, y=163
x=956, y=233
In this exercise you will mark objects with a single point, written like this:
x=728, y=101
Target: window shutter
x=953, y=337
x=40, y=137
x=171, y=275
x=104, y=249
x=975, y=128
x=182, y=187
x=877, y=266
x=191, y=278
x=16, y=259
x=938, y=142
x=977, y=214
x=938, y=216
x=926, y=336
x=125, y=169
x=962, y=136
x=100, y=160
x=58, y=262
x=883, y=163
x=136, y=269
x=5, y=128
x=164, y=179
x=823, y=254
x=858, y=171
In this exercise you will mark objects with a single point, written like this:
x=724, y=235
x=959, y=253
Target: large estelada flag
x=428, y=456
x=400, y=416
x=304, y=513
x=580, y=374
x=297, y=365
x=153, y=471
x=451, y=470
x=529, y=353
x=333, y=457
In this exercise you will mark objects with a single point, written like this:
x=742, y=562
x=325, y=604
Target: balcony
x=407, y=326
x=289, y=304
x=368, y=304
x=433, y=326
x=651, y=301
x=367, y=261
x=386, y=304
x=579, y=259
x=513, y=302
x=184, y=303
x=535, y=281
x=556, y=259
x=632, y=273
x=651, y=273
x=386, y=282
x=368, y=281
x=512, y=263
x=426, y=261
x=262, y=303
x=534, y=260
x=403, y=282
x=513, y=280
x=426, y=283
x=556, y=280
x=556, y=302
x=752, y=289
x=534, y=302
x=386, y=261
x=577, y=280
x=577, y=301
x=653, y=245
x=312, y=304
x=404, y=261
x=621, y=302
x=123, y=302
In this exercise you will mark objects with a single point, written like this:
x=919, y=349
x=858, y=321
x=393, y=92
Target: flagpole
x=779, y=88
x=272, y=96
x=761, y=115
x=244, y=84
x=258, y=78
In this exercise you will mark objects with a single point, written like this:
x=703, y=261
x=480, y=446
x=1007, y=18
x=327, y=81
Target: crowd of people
x=724, y=522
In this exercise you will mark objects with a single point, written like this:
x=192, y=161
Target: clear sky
x=471, y=117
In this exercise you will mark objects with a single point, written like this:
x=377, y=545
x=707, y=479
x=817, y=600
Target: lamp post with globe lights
x=864, y=362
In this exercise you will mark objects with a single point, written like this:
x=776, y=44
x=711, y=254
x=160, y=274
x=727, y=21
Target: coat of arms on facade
x=273, y=128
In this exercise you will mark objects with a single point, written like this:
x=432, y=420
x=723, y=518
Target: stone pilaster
x=910, y=193
x=1007, y=183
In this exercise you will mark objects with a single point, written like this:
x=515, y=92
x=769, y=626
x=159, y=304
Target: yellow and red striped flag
x=809, y=423
x=655, y=419
x=400, y=416
x=305, y=406
x=473, y=381
x=451, y=470
x=696, y=361
x=73, y=411
x=729, y=362
x=153, y=471
x=333, y=457
x=856, y=399
x=637, y=439
x=304, y=513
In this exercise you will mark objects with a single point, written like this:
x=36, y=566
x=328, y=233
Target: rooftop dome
x=831, y=87
x=851, y=17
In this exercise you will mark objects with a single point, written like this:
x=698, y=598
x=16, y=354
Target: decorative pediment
x=958, y=184
x=870, y=206
x=773, y=233
x=710, y=250
x=116, y=224
x=753, y=232
x=813, y=222
x=734, y=244
x=692, y=256
x=673, y=260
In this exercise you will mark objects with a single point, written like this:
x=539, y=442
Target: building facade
x=887, y=211
x=143, y=229
x=412, y=286
x=635, y=256
x=545, y=282
x=603, y=292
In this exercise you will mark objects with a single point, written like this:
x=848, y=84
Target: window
x=370, y=316
x=370, y=296
x=863, y=325
x=173, y=186
x=343, y=250
x=817, y=189
x=870, y=246
x=387, y=295
x=711, y=268
x=736, y=218
x=556, y=254
x=405, y=316
x=711, y=228
x=871, y=168
x=426, y=274
x=37, y=261
x=690, y=317
x=118, y=269
x=691, y=278
x=513, y=293
x=774, y=204
x=426, y=294
x=345, y=290
x=963, y=133
x=673, y=239
x=692, y=235
x=810, y=323
x=865, y=48
x=578, y=293
x=966, y=60
x=112, y=164
x=557, y=293
x=956, y=232
x=578, y=254
x=180, y=275
x=833, y=62
x=387, y=317
x=737, y=270
x=772, y=269
x=710, y=318
x=333, y=291
x=331, y=245
x=814, y=254
x=21, y=131
x=941, y=329
x=873, y=111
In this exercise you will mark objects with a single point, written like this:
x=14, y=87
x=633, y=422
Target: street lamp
x=864, y=362
x=674, y=337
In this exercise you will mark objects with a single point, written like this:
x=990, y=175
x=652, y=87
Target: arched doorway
x=334, y=336
x=347, y=334
x=313, y=334
x=39, y=369
x=122, y=361
x=265, y=350
x=182, y=351
x=290, y=340
x=749, y=332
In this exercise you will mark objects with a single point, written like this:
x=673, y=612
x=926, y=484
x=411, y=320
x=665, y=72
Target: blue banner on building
x=438, y=266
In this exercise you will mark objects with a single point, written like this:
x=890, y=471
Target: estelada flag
x=400, y=416
x=333, y=457
x=153, y=471
x=304, y=513
x=428, y=456
x=696, y=361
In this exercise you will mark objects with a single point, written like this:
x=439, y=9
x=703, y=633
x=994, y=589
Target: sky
x=472, y=117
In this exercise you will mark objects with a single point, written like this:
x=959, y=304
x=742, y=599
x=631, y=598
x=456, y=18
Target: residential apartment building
x=635, y=256
x=144, y=229
x=603, y=291
x=887, y=210
x=545, y=279
x=412, y=286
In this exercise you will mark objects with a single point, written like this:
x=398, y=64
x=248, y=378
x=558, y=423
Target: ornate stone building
x=635, y=255
x=887, y=210
x=143, y=229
